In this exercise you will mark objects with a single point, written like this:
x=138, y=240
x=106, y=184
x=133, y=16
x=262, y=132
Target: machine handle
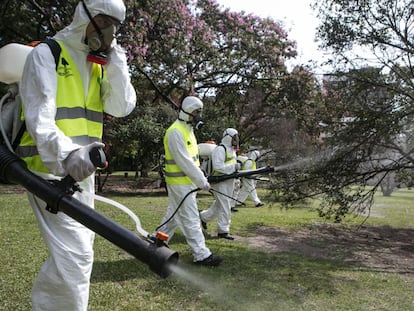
x=98, y=158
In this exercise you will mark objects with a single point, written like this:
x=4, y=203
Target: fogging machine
x=218, y=178
x=151, y=251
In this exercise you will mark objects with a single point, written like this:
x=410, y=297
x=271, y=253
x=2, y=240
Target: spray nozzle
x=164, y=257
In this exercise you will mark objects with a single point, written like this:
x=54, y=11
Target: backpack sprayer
x=205, y=150
x=149, y=249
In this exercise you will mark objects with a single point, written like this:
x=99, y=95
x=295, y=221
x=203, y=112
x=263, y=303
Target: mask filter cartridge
x=198, y=121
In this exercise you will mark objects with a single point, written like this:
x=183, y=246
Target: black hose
x=228, y=196
x=176, y=210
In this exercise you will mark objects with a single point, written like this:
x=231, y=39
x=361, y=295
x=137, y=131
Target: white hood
x=228, y=135
x=254, y=155
x=189, y=104
x=74, y=34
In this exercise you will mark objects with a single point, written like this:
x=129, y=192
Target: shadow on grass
x=245, y=276
x=120, y=270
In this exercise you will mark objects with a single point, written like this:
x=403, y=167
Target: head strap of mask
x=95, y=56
x=236, y=140
x=197, y=120
x=228, y=134
x=187, y=113
x=92, y=21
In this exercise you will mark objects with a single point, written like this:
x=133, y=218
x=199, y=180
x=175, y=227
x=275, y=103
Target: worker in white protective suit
x=248, y=185
x=63, y=107
x=223, y=162
x=184, y=177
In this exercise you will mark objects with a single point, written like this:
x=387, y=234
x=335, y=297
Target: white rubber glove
x=78, y=164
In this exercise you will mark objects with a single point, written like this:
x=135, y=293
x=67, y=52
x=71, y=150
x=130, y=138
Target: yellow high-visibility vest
x=253, y=164
x=230, y=159
x=173, y=174
x=79, y=118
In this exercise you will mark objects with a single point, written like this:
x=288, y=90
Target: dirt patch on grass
x=130, y=185
x=376, y=248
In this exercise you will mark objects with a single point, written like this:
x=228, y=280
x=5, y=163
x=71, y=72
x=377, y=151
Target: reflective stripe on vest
x=77, y=118
x=230, y=159
x=173, y=174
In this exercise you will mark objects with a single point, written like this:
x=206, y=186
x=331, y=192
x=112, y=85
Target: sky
x=298, y=18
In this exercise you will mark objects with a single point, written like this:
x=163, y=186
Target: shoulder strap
x=55, y=48
x=19, y=136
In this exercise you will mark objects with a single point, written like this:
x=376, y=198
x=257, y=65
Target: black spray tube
x=219, y=178
x=158, y=257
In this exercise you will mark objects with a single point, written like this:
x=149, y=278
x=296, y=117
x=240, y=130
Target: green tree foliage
x=136, y=142
x=369, y=100
x=234, y=61
x=30, y=20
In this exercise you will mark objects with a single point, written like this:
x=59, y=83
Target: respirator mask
x=99, y=41
x=198, y=121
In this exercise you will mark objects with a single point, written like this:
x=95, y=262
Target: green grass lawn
x=321, y=266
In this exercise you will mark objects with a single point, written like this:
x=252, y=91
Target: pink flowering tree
x=178, y=47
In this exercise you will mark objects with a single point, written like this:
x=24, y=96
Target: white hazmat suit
x=64, y=279
x=248, y=185
x=223, y=162
x=183, y=196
